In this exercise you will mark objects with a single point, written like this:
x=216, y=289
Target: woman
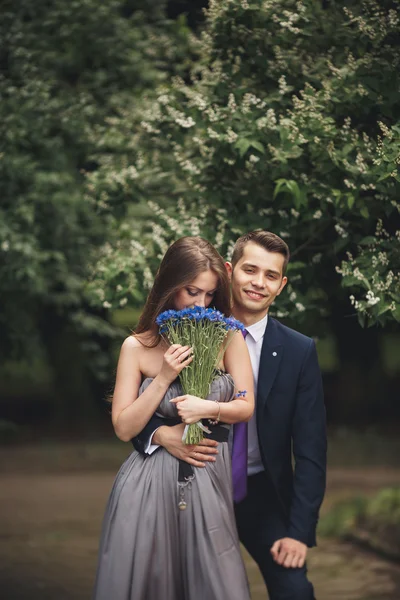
x=151, y=550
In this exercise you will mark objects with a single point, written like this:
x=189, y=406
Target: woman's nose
x=201, y=302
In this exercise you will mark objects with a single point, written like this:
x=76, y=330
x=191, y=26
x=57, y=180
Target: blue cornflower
x=198, y=314
x=165, y=316
x=234, y=324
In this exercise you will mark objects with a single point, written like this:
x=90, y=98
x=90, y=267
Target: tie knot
x=245, y=332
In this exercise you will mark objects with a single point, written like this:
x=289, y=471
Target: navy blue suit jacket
x=290, y=422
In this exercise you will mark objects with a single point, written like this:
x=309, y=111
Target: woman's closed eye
x=191, y=292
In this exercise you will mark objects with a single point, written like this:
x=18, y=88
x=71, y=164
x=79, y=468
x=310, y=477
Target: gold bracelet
x=216, y=421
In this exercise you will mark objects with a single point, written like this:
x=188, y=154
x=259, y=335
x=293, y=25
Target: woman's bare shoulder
x=131, y=343
x=139, y=341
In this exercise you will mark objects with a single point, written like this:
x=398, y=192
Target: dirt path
x=49, y=529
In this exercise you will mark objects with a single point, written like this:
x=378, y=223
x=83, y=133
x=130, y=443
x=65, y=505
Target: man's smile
x=254, y=295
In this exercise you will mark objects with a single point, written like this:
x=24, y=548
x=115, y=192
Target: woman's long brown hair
x=182, y=263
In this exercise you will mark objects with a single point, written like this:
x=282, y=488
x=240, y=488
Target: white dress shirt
x=254, y=341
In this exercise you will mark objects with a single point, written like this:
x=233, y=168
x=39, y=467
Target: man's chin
x=255, y=306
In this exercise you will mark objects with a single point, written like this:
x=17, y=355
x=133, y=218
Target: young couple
x=151, y=550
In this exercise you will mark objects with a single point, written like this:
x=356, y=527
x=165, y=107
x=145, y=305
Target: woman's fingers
x=178, y=399
x=186, y=361
x=176, y=349
x=177, y=354
x=172, y=349
x=183, y=353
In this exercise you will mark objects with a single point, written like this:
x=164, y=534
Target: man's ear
x=229, y=268
x=284, y=282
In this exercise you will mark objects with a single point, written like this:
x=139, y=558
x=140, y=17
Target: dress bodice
x=222, y=389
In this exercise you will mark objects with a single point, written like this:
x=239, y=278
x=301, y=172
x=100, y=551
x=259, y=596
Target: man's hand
x=197, y=455
x=289, y=553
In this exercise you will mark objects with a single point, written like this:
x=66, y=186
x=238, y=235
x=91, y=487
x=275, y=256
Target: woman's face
x=198, y=292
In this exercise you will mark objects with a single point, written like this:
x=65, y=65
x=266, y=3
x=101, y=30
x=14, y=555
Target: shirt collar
x=257, y=330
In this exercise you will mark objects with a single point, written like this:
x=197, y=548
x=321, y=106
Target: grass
x=373, y=522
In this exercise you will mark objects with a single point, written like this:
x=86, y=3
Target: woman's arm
x=130, y=412
x=237, y=363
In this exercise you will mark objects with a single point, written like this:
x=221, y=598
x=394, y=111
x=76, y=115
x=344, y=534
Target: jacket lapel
x=271, y=356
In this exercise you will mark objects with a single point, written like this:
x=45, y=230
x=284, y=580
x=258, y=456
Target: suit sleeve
x=309, y=449
x=140, y=442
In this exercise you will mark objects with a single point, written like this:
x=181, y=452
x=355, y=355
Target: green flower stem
x=206, y=340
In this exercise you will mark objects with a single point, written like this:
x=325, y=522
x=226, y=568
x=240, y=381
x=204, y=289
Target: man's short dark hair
x=267, y=240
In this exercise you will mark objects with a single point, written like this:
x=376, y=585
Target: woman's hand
x=176, y=358
x=191, y=408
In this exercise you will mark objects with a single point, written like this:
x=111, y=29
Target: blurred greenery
x=371, y=445
x=66, y=70
x=127, y=124
x=290, y=121
x=373, y=522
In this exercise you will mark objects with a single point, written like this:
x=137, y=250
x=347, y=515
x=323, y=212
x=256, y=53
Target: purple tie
x=239, y=458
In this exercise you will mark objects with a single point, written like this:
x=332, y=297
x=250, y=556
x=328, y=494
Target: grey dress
x=151, y=550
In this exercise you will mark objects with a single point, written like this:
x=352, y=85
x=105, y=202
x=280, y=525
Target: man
x=278, y=512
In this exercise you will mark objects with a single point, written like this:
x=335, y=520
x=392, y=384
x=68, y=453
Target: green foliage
x=125, y=268
x=375, y=521
x=288, y=123
x=68, y=68
x=342, y=519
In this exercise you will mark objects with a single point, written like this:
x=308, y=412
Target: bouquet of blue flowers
x=205, y=331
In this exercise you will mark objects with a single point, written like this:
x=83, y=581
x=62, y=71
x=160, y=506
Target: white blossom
x=231, y=136
x=280, y=314
x=213, y=134
x=371, y=298
x=342, y=232
x=148, y=278
x=231, y=103
x=283, y=86
x=186, y=123
x=163, y=99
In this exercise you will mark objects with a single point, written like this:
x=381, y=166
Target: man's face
x=256, y=279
